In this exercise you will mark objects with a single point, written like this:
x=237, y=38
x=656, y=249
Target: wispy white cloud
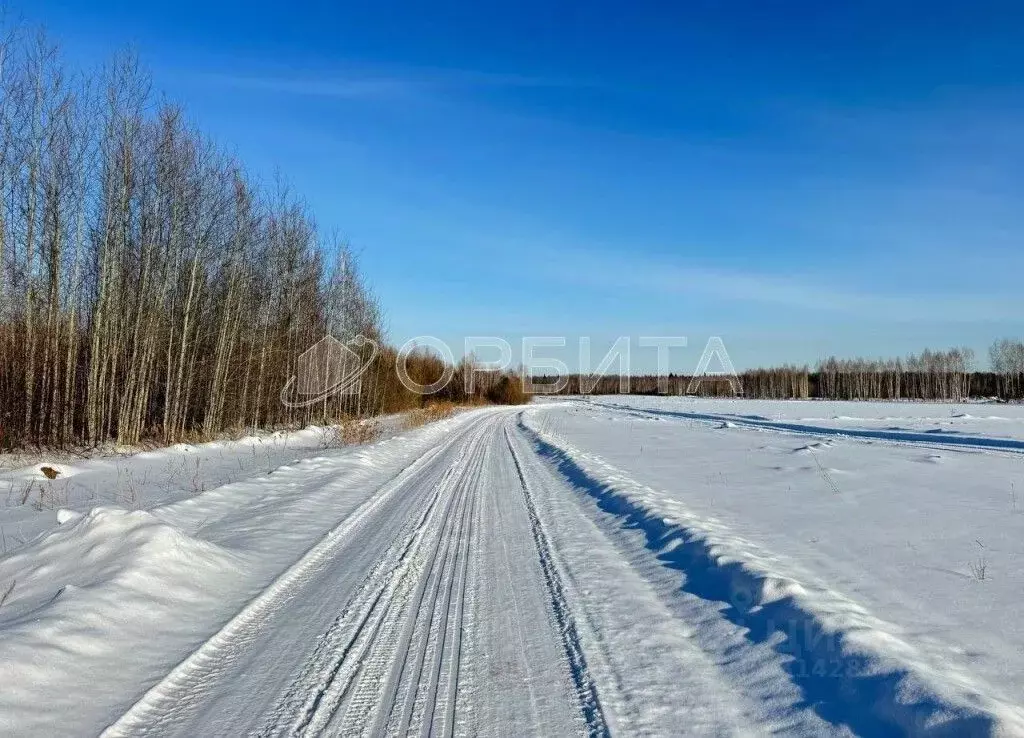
x=803, y=292
x=383, y=83
x=341, y=87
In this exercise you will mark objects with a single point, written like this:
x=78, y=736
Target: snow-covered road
x=498, y=573
x=397, y=621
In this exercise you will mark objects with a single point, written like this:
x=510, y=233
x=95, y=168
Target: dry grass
x=7, y=593
x=40, y=494
x=979, y=567
x=354, y=431
x=433, y=412
x=826, y=476
x=349, y=432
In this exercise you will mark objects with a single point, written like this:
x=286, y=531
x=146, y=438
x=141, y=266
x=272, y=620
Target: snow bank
x=102, y=579
x=29, y=499
x=857, y=669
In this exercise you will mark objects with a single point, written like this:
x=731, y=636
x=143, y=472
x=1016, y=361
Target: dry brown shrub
x=508, y=391
x=350, y=432
x=430, y=413
x=353, y=431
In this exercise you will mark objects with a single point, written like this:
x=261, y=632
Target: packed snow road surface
x=570, y=568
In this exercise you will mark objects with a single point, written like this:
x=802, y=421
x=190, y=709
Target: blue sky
x=799, y=178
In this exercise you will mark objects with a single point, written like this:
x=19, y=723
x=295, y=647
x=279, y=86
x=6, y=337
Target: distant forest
x=930, y=375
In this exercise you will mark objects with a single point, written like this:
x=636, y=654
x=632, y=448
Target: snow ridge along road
x=490, y=575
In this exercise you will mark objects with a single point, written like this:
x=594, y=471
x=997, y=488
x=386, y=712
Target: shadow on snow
x=844, y=687
x=949, y=437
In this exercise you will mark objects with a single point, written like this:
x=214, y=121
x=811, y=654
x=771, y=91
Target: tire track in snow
x=439, y=635
x=347, y=651
x=902, y=438
x=455, y=663
x=583, y=681
x=183, y=686
x=364, y=702
x=432, y=630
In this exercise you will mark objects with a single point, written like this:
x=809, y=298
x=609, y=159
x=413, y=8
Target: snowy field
x=893, y=531
x=607, y=566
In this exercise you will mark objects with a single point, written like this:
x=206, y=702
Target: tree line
x=151, y=287
x=931, y=375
